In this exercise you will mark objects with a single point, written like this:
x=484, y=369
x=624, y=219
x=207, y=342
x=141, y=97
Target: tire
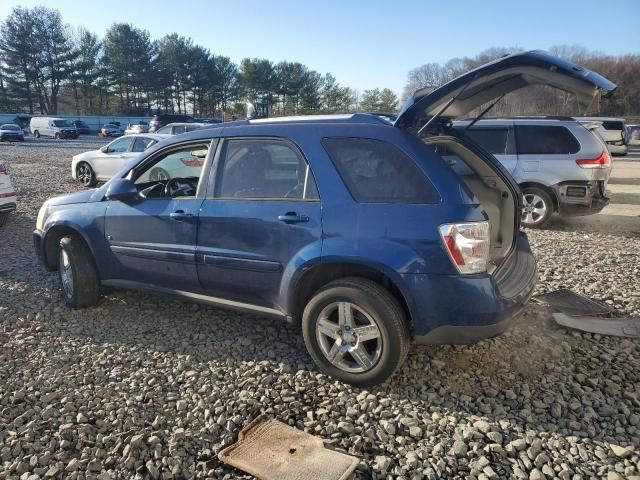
x=537, y=207
x=3, y=218
x=77, y=272
x=85, y=175
x=36, y=134
x=57, y=136
x=371, y=306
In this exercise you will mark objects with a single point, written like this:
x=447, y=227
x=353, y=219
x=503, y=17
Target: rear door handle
x=181, y=216
x=292, y=217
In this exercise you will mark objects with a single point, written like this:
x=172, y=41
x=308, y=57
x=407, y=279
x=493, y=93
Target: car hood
x=493, y=80
x=84, y=196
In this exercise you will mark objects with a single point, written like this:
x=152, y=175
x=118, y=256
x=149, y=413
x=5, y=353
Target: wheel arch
x=314, y=278
x=52, y=239
x=548, y=190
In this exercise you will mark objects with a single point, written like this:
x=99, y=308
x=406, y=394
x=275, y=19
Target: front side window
x=375, y=171
x=545, y=140
x=140, y=144
x=253, y=168
x=172, y=174
x=119, y=146
x=493, y=140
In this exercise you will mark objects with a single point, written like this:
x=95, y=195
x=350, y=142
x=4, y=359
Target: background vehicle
x=613, y=131
x=559, y=164
x=135, y=128
x=208, y=120
x=178, y=128
x=52, y=127
x=81, y=127
x=633, y=134
x=100, y=165
x=111, y=130
x=11, y=131
x=7, y=194
x=354, y=225
x=163, y=119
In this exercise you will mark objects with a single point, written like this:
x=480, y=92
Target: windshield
x=61, y=123
x=10, y=126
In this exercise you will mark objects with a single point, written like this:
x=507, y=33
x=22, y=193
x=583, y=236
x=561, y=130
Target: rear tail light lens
x=468, y=245
x=603, y=161
x=3, y=169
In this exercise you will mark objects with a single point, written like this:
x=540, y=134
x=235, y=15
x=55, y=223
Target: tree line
x=49, y=67
x=542, y=100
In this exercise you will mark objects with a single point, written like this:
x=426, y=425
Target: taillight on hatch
x=467, y=244
x=603, y=161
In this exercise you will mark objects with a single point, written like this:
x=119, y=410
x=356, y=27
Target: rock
x=459, y=448
x=382, y=463
x=621, y=452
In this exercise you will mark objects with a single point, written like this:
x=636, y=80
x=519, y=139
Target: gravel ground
x=146, y=387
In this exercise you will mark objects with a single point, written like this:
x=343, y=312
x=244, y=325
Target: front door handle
x=293, y=217
x=181, y=216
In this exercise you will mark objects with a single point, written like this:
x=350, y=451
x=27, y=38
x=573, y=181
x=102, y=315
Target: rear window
x=612, y=125
x=534, y=139
x=377, y=172
x=493, y=140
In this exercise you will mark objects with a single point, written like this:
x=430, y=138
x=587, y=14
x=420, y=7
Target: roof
x=353, y=118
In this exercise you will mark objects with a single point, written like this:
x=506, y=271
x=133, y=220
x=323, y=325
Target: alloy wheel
x=349, y=337
x=534, y=209
x=84, y=174
x=66, y=273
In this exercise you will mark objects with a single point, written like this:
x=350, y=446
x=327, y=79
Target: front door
x=153, y=238
x=113, y=158
x=264, y=217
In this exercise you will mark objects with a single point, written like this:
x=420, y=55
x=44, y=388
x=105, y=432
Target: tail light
x=3, y=169
x=603, y=161
x=467, y=245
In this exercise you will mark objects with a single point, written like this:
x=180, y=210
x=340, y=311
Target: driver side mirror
x=122, y=189
x=104, y=149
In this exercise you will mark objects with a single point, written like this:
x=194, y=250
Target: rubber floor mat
x=619, y=327
x=572, y=303
x=270, y=450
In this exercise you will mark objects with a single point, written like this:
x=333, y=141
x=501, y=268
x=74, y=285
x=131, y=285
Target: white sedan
x=95, y=166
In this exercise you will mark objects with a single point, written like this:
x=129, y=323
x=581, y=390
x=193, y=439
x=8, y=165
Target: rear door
x=498, y=140
x=257, y=222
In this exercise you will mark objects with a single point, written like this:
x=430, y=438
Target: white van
x=52, y=127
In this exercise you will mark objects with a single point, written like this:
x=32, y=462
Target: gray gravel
x=146, y=387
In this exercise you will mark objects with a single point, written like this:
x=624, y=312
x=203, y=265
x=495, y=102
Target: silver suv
x=559, y=164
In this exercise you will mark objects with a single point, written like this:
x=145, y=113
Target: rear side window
x=377, y=172
x=612, y=125
x=534, y=139
x=141, y=144
x=493, y=140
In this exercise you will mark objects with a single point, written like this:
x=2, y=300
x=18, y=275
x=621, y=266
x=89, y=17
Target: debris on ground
x=619, y=327
x=571, y=303
x=272, y=450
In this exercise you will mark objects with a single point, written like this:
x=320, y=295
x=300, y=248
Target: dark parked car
x=158, y=121
x=11, y=132
x=81, y=127
x=350, y=224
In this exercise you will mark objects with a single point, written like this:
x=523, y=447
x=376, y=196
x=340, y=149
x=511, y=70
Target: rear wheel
x=78, y=275
x=537, y=207
x=356, y=331
x=36, y=134
x=86, y=175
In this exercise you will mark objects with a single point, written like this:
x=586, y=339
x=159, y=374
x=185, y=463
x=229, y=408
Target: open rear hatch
x=428, y=113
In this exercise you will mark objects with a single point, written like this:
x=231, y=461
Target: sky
x=366, y=44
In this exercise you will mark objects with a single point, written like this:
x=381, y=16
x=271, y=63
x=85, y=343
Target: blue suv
x=369, y=232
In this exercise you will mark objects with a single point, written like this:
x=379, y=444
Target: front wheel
x=356, y=331
x=537, y=207
x=86, y=175
x=78, y=275
x=36, y=134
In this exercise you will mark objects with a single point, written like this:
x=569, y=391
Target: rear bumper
x=581, y=198
x=466, y=309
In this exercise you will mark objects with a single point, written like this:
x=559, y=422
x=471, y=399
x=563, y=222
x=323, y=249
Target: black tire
x=537, y=207
x=3, y=218
x=85, y=175
x=57, y=136
x=376, y=302
x=85, y=286
x=36, y=134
